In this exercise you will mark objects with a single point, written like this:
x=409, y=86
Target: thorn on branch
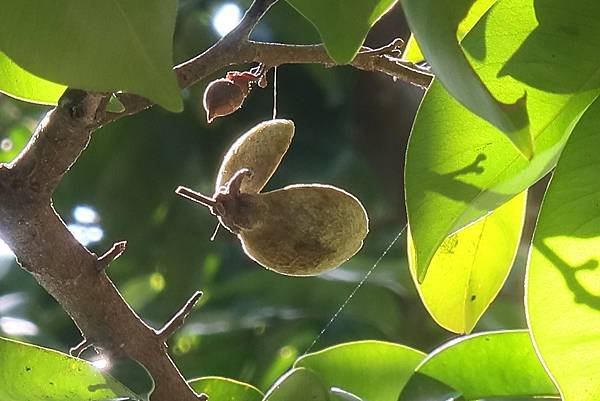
x=79, y=348
x=177, y=320
x=202, y=397
x=113, y=253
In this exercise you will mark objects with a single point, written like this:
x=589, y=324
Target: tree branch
x=66, y=269
x=177, y=321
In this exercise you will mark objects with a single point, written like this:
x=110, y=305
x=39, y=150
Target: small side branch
x=79, y=348
x=178, y=319
x=113, y=253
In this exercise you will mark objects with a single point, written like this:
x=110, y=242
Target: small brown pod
x=299, y=230
x=222, y=97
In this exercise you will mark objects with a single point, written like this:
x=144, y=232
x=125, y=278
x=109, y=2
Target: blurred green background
x=251, y=324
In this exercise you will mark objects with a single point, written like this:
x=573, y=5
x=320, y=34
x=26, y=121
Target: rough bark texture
x=73, y=275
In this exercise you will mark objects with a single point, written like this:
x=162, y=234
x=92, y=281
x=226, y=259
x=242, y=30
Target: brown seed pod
x=260, y=150
x=222, y=97
x=299, y=230
x=303, y=230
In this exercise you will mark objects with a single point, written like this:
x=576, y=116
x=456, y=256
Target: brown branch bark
x=69, y=272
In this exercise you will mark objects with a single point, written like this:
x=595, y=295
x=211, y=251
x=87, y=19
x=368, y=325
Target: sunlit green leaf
x=470, y=267
x=434, y=24
x=343, y=25
x=425, y=388
x=32, y=373
x=495, y=364
x=372, y=370
x=102, y=46
x=563, y=279
x=18, y=83
x=474, y=14
x=458, y=168
x=223, y=389
x=298, y=385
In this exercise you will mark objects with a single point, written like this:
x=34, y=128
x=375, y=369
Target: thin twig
x=178, y=319
x=79, y=348
x=113, y=253
x=224, y=54
x=392, y=47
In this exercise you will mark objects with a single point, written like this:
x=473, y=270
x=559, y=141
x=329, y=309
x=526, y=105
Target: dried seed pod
x=222, y=97
x=303, y=230
x=299, y=230
x=261, y=150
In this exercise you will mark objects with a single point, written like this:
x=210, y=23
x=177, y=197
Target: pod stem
x=195, y=196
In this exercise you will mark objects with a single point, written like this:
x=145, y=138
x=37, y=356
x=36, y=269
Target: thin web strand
x=274, y=93
x=351, y=295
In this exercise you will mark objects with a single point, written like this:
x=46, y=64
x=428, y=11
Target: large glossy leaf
x=102, y=46
x=298, y=385
x=458, y=168
x=18, y=83
x=425, y=388
x=435, y=23
x=495, y=364
x=470, y=267
x=223, y=389
x=563, y=279
x=413, y=52
x=343, y=25
x=372, y=370
x=32, y=373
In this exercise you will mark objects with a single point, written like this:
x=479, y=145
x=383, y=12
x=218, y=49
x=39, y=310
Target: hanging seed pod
x=222, y=97
x=260, y=150
x=299, y=230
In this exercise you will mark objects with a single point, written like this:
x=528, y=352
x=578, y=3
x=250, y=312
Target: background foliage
x=352, y=131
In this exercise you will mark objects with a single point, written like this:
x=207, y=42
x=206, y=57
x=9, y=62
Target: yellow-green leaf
x=563, y=278
x=469, y=268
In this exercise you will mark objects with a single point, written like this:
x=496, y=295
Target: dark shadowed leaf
x=101, y=46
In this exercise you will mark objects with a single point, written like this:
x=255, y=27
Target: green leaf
x=458, y=168
x=412, y=51
x=372, y=370
x=223, y=389
x=114, y=105
x=424, y=388
x=99, y=46
x=469, y=268
x=434, y=24
x=298, y=385
x=494, y=364
x=343, y=25
x=563, y=284
x=32, y=373
x=18, y=83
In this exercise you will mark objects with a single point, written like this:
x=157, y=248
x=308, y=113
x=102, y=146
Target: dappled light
x=226, y=18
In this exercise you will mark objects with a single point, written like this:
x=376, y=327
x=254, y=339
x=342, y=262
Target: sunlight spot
x=157, y=282
x=6, y=145
x=287, y=352
x=86, y=235
x=5, y=250
x=18, y=327
x=11, y=301
x=101, y=363
x=85, y=214
x=228, y=16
